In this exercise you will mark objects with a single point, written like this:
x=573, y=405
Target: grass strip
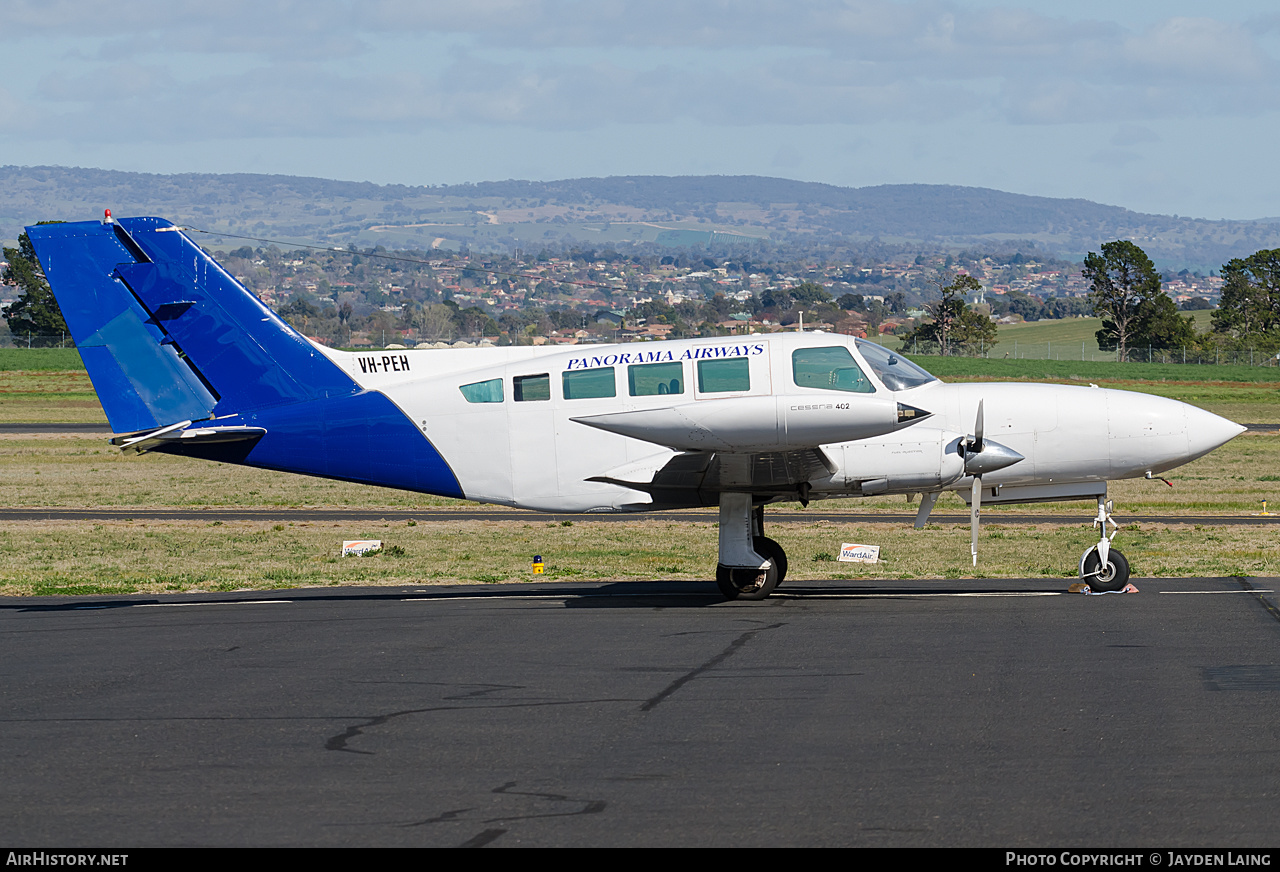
x=69, y=558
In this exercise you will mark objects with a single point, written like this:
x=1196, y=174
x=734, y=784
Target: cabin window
x=829, y=369
x=586, y=384
x=483, y=392
x=722, y=376
x=528, y=388
x=655, y=379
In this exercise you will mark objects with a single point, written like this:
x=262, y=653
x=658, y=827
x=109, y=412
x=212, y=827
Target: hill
x=664, y=210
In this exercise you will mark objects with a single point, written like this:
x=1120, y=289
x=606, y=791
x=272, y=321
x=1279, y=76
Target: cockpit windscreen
x=894, y=371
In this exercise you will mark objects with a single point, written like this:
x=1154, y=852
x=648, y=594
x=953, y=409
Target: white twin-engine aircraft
x=186, y=361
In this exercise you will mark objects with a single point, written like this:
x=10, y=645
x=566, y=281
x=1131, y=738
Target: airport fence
x=36, y=340
x=1009, y=349
x=1015, y=350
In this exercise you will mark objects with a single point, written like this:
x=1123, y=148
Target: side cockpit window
x=483, y=392
x=829, y=369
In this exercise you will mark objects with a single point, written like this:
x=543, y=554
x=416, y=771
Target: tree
x=975, y=333
x=435, y=321
x=36, y=313
x=1250, y=296
x=299, y=312
x=1195, y=304
x=955, y=326
x=1160, y=326
x=1122, y=278
x=809, y=294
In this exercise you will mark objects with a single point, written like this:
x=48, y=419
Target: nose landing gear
x=1102, y=567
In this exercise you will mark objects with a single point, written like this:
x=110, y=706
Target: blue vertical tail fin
x=170, y=338
x=166, y=334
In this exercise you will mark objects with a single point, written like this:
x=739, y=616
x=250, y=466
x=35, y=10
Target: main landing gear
x=1102, y=567
x=751, y=564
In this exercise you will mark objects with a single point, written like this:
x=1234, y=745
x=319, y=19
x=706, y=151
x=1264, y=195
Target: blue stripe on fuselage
x=361, y=437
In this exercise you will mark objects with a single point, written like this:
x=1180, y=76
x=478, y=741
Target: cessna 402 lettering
x=186, y=361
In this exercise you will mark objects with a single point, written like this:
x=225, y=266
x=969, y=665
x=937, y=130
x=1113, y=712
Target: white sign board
x=357, y=547
x=850, y=553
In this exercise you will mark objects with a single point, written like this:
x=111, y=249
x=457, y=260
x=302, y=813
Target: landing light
x=911, y=413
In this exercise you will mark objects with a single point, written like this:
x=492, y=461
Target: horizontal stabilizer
x=176, y=435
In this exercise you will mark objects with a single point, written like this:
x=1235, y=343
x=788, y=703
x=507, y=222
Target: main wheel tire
x=743, y=582
x=1112, y=577
x=771, y=550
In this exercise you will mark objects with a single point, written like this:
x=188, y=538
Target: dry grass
x=55, y=396
x=40, y=558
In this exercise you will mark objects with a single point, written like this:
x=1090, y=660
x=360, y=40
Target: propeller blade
x=975, y=502
x=977, y=431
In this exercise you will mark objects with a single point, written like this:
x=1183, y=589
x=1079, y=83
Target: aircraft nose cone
x=1206, y=431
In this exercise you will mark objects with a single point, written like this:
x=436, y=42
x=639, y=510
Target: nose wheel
x=1102, y=567
x=1111, y=576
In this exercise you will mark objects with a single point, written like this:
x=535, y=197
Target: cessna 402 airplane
x=186, y=361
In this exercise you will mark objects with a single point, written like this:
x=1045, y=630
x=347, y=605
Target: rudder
x=141, y=381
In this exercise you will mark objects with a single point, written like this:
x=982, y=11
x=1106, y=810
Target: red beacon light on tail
x=106, y=217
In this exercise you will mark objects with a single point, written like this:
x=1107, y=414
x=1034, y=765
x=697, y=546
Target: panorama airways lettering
x=705, y=352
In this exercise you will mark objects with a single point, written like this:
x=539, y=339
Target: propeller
x=981, y=455
x=973, y=448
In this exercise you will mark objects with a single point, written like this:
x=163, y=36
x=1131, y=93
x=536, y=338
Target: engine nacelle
x=922, y=460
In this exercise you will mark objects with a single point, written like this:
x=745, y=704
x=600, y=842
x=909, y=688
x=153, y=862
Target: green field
x=1073, y=331
x=40, y=360
x=1065, y=339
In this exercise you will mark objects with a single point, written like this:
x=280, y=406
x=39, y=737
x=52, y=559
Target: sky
x=1170, y=107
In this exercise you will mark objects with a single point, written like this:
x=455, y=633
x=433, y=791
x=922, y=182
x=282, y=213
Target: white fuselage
x=530, y=427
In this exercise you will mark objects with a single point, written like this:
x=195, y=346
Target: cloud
x=1133, y=134
x=1201, y=50
x=786, y=157
x=110, y=83
x=183, y=70
x=1114, y=157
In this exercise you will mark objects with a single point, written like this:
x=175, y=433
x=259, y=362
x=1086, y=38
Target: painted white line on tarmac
x=1216, y=591
x=218, y=603
x=557, y=596
x=855, y=595
x=801, y=596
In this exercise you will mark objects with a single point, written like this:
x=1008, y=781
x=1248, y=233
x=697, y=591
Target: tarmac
x=994, y=713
